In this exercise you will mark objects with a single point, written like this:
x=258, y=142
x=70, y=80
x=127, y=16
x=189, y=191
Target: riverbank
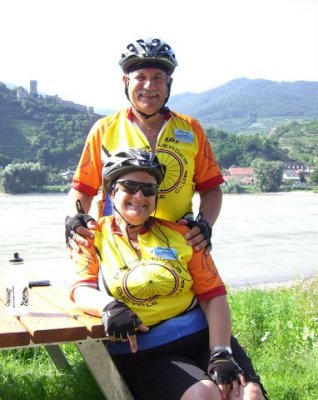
x=55, y=189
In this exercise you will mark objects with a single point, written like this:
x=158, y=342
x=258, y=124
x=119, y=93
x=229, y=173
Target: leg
x=203, y=390
x=252, y=391
x=58, y=357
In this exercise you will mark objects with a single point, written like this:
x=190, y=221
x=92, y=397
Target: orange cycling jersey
x=163, y=283
x=181, y=145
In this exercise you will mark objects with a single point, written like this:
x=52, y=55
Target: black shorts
x=167, y=371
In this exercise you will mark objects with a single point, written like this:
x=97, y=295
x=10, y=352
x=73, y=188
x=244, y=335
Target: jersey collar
x=131, y=117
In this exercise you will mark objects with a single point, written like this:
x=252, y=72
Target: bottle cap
x=16, y=259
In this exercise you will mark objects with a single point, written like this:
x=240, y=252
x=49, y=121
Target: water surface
x=257, y=239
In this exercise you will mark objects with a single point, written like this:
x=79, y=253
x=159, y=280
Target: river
x=261, y=238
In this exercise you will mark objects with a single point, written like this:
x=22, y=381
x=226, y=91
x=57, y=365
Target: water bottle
x=16, y=287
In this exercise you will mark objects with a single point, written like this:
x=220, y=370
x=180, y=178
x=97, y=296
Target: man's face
x=147, y=89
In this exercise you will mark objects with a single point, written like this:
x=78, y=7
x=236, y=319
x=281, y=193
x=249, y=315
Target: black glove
x=222, y=368
x=204, y=226
x=119, y=321
x=71, y=223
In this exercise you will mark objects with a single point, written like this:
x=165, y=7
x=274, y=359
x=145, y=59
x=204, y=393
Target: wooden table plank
x=59, y=296
x=12, y=333
x=49, y=324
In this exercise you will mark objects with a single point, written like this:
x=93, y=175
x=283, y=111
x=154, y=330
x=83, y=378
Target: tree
x=268, y=175
x=232, y=149
x=23, y=177
x=314, y=176
x=4, y=160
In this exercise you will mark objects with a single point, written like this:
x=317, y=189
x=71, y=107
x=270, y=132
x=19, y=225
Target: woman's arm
x=90, y=300
x=217, y=313
x=223, y=368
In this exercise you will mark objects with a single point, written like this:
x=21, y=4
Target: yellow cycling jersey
x=182, y=146
x=163, y=283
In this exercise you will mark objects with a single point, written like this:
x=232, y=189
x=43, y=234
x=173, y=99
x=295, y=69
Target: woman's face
x=135, y=207
x=147, y=89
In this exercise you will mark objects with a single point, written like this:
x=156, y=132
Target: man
x=178, y=140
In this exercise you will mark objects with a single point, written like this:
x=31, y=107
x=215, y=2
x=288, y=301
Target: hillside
x=300, y=140
x=251, y=106
x=41, y=130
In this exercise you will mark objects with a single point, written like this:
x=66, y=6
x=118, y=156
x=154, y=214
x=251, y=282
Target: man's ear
x=125, y=79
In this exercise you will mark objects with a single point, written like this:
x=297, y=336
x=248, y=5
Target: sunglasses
x=131, y=187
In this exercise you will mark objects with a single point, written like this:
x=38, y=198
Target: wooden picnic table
x=54, y=319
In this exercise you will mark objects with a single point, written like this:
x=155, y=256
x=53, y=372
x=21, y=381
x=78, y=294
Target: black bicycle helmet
x=152, y=52
x=133, y=160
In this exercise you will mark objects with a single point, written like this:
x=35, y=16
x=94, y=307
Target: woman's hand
x=120, y=323
x=226, y=373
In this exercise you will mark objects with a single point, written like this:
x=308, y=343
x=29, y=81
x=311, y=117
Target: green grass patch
x=279, y=330
x=29, y=374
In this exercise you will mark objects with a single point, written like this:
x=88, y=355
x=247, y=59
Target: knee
x=252, y=391
x=203, y=390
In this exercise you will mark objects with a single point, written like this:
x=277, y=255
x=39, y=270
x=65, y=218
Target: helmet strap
x=128, y=224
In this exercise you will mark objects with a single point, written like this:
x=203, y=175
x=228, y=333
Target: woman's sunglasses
x=131, y=187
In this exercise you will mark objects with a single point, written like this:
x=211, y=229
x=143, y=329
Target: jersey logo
x=183, y=136
x=166, y=253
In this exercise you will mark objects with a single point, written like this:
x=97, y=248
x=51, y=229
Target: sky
x=72, y=47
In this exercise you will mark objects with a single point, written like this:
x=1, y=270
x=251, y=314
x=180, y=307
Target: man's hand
x=200, y=234
x=120, y=323
x=225, y=372
x=77, y=228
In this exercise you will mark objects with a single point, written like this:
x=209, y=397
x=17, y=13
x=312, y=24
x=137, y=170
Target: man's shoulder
x=193, y=122
x=185, y=117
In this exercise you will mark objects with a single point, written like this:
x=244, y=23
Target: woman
x=163, y=305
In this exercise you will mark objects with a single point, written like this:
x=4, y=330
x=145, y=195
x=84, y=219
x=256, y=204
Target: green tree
x=232, y=187
x=23, y=177
x=268, y=175
x=4, y=160
x=232, y=149
x=314, y=176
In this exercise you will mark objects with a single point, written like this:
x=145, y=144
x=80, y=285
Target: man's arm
x=211, y=203
x=84, y=198
x=80, y=232
x=210, y=206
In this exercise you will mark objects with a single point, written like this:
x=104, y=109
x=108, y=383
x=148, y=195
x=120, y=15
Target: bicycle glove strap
x=119, y=321
x=223, y=369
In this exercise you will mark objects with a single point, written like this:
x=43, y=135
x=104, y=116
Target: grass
x=29, y=374
x=278, y=328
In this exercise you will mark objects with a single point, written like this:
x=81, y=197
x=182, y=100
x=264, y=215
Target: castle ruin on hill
x=22, y=93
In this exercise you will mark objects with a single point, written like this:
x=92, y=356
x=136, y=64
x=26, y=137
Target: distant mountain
x=245, y=105
x=105, y=111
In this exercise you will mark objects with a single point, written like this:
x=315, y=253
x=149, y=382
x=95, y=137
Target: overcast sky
x=72, y=47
